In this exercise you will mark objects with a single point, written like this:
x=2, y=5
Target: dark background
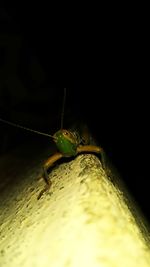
x=102, y=61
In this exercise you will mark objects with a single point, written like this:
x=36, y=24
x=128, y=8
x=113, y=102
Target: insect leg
x=49, y=162
x=89, y=148
x=93, y=149
x=45, y=175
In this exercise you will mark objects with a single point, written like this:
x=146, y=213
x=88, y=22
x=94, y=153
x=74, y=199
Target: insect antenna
x=63, y=108
x=25, y=128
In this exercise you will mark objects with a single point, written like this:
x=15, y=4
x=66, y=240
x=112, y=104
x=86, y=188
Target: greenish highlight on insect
x=66, y=142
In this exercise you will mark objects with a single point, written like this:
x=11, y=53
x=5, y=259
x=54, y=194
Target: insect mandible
x=69, y=144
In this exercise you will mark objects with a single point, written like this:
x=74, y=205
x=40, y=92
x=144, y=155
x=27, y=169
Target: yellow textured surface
x=82, y=221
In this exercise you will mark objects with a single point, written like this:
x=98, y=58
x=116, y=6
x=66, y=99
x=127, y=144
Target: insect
x=68, y=143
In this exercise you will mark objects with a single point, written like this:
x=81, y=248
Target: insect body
x=68, y=143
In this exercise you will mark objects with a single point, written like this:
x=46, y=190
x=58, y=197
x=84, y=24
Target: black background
x=102, y=61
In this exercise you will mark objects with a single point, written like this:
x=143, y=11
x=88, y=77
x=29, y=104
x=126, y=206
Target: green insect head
x=66, y=142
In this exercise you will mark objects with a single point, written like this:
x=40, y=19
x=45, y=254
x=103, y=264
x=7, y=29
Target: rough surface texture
x=82, y=221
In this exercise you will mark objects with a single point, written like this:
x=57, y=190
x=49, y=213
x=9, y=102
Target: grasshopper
x=69, y=144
